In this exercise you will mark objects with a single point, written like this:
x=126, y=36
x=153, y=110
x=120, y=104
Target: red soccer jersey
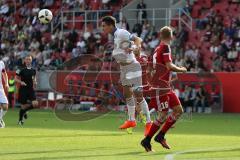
x=162, y=55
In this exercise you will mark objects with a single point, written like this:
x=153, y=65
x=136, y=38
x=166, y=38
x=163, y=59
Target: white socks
x=145, y=110
x=2, y=113
x=131, y=109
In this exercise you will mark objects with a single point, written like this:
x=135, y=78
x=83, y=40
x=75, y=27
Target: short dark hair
x=109, y=20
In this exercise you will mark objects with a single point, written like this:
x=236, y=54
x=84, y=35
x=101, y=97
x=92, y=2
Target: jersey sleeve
x=122, y=39
x=125, y=35
x=2, y=66
x=132, y=37
x=19, y=72
x=167, y=54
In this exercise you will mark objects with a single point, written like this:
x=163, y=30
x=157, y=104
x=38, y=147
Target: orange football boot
x=128, y=124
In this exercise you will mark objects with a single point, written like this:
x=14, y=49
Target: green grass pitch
x=44, y=137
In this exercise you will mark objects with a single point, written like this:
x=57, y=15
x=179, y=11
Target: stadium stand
x=218, y=33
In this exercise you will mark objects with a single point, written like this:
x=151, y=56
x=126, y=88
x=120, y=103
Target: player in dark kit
x=162, y=56
x=26, y=77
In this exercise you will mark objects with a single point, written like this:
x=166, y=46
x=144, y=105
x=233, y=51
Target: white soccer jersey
x=3, y=98
x=2, y=67
x=121, y=38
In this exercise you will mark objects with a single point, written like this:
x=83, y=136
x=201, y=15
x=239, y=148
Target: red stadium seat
x=79, y=22
x=219, y=7
x=70, y=25
x=196, y=10
x=207, y=3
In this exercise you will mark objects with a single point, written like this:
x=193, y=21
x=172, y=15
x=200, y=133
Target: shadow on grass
x=61, y=136
x=58, y=151
x=88, y=156
x=198, y=124
x=133, y=153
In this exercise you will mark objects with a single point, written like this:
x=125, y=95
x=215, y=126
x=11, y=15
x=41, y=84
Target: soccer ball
x=45, y=16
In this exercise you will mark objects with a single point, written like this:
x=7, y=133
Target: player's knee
x=178, y=110
x=162, y=116
x=130, y=101
x=4, y=106
x=128, y=93
x=138, y=109
x=139, y=97
x=139, y=100
x=160, y=120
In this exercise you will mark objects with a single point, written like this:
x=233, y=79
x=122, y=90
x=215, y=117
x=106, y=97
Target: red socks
x=168, y=124
x=154, y=128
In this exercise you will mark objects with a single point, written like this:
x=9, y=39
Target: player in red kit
x=162, y=56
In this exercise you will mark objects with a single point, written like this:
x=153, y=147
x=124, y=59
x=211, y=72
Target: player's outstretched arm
x=136, y=45
x=137, y=41
x=175, y=68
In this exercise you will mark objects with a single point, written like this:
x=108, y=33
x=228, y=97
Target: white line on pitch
x=171, y=156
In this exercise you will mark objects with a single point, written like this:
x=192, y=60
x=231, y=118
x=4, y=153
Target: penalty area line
x=172, y=156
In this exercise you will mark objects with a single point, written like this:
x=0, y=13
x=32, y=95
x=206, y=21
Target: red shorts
x=164, y=102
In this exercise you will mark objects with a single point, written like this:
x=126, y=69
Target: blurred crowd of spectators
x=221, y=33
x=198, y=98
x=21, y=34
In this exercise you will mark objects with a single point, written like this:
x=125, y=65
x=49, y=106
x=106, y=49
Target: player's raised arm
x=137, y=40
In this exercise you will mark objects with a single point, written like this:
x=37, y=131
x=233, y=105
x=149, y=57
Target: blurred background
x=73, y=57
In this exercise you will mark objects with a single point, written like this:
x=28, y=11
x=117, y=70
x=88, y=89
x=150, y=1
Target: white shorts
x=3, y=98
x=131, y=75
